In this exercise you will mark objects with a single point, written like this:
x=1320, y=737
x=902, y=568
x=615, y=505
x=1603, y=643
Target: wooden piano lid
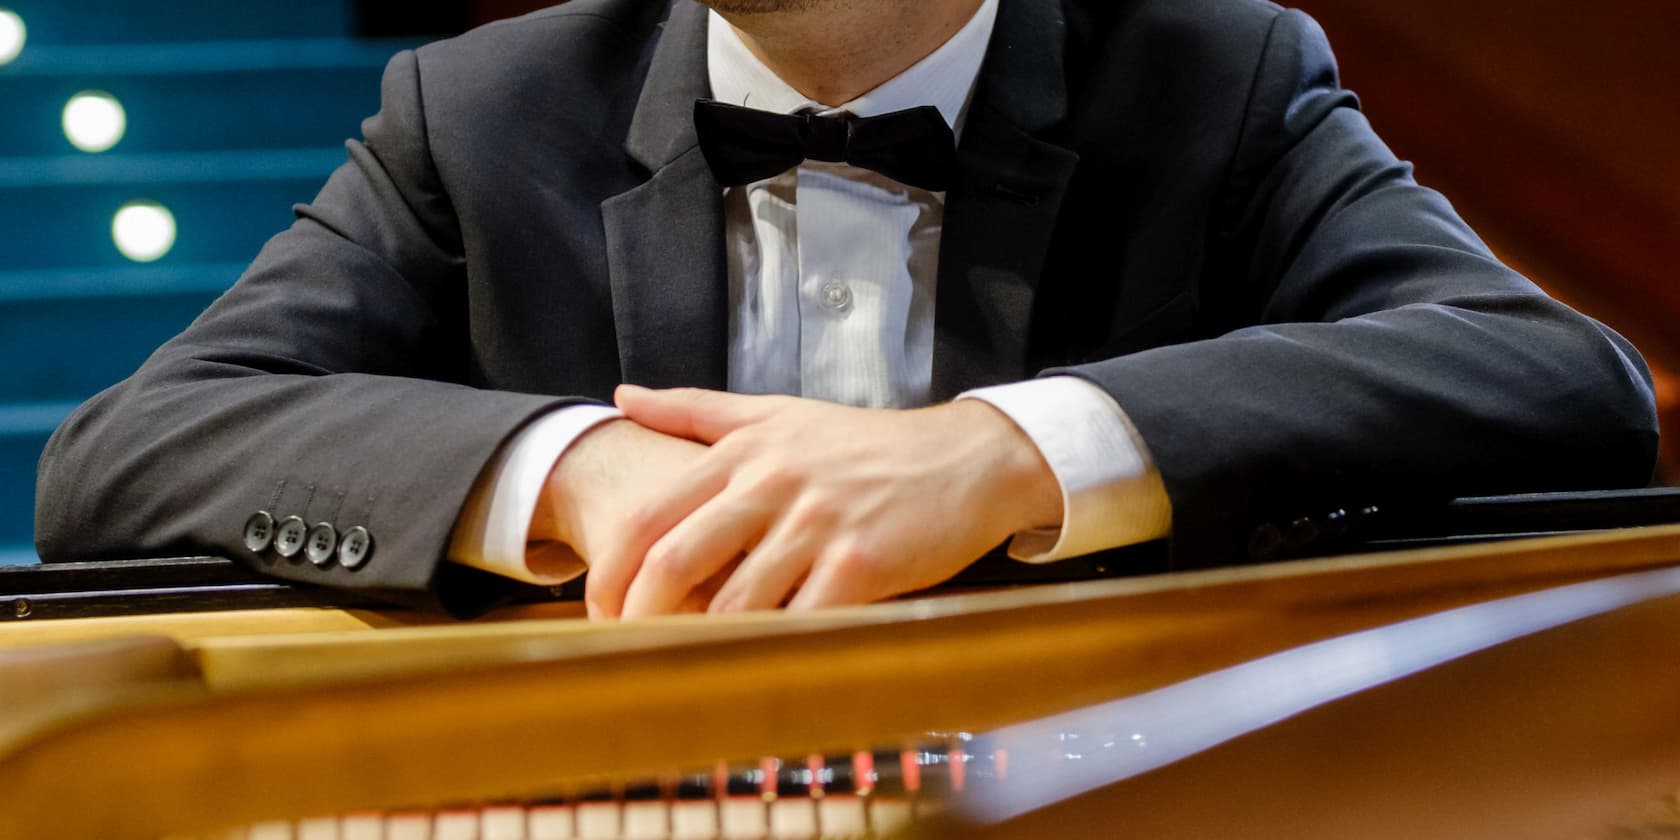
x=1554, y=714
x=321, y=723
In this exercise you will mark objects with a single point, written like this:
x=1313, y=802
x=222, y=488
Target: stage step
x=126, y=21
x=193, y=97
x=18, y=555
x=82, y=330
x=57, y=212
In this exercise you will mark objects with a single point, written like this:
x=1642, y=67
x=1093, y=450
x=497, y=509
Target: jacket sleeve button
x=322, y=543
x=1335, y=523
x=1302, y=532
x=355, y=547
x=259, y=531
x=290, y=536
x=1265, y=542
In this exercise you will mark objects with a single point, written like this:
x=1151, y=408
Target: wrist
x=560, y=515
x=1027, y=492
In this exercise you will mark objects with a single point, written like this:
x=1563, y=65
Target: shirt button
x=837, y=296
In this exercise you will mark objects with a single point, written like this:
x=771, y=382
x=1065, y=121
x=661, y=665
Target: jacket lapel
x=1001, y=213
x=665, y=237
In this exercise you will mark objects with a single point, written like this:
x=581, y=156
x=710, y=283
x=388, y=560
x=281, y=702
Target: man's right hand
x=605, y=476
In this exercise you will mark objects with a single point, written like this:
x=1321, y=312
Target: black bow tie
x=913, y=147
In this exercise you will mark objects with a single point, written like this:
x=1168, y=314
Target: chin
x=756, y=7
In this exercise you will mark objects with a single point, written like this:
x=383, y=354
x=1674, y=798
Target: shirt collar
x=944, y=79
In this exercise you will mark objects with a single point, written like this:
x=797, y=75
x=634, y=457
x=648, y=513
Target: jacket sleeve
x=326, y=384
x=1394, y=357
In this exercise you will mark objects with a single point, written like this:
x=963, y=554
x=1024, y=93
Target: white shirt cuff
x=1112, y=494
x=493, y=530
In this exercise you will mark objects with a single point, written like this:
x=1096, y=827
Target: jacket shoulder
x=565, y=77
x=1218, y=32
x=579, y=45
x=572, y=25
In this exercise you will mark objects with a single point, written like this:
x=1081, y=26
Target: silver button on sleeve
x=259, y=531
x=323, y=542
x=354, y=547
x=290, y=536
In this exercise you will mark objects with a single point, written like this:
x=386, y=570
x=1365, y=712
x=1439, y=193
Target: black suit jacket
x=1170, y=198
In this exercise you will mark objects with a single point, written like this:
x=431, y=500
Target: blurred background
x=148, y=150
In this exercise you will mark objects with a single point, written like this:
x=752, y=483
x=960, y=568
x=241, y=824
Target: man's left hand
x=826, y=503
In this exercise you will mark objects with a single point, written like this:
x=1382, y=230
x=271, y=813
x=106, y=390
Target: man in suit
x=1182, y=289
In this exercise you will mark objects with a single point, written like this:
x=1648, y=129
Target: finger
x=698, y=600
x=692, y=604
x=604, y=587
x=770, y=572
x=608, y=581
x=693, y=413
x=611, y=575
x=697, y=549
x=836, y=580
x=647, y=525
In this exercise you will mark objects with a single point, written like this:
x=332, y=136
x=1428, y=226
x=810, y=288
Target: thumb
x=693, y=413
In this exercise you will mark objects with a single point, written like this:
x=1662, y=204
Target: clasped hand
x=703, y=500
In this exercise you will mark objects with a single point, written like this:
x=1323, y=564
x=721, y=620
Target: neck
x=834, y=51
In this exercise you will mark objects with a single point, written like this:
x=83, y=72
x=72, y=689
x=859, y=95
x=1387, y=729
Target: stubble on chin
x=758, y=7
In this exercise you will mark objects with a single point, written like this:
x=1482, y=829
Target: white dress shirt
x=832, y=276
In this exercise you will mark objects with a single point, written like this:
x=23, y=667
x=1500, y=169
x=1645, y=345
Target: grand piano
x=1472, y=674
x=1505, y=680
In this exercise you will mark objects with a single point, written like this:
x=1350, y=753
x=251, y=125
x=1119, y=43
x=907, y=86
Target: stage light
x=143, y=230
x=94, y=121
x=12, y=35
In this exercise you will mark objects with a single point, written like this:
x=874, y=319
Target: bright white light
x=94, y=121
x=144, y=231
x=12, y=35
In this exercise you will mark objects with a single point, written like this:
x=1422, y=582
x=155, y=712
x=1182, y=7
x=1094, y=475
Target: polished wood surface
x=1568, y=733
x=394, y=717
x=229, y=624
x=46, y=673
